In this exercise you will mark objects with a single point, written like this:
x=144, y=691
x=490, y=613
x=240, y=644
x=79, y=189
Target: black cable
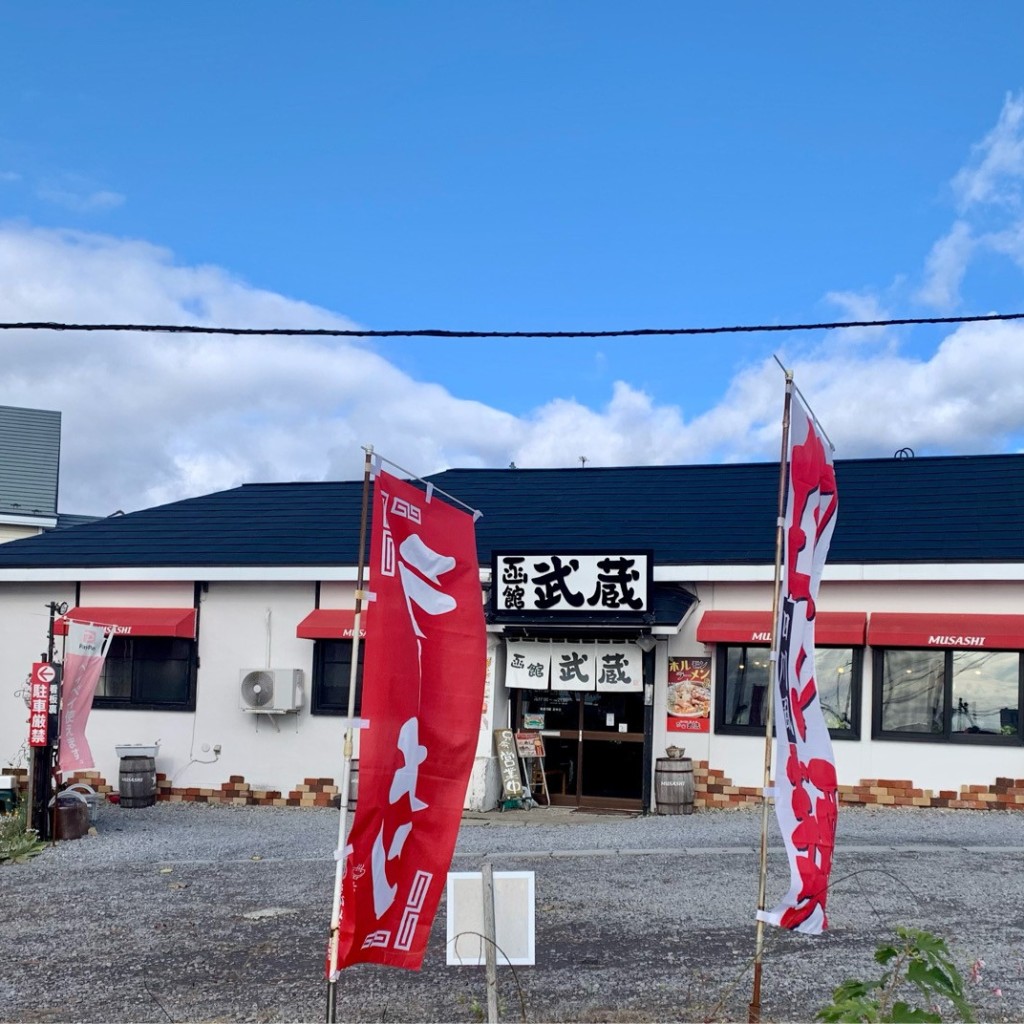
x=437, y=333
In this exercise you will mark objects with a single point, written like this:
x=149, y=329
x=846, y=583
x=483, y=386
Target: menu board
x=530, y=744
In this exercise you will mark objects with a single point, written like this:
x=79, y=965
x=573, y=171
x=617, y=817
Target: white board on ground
x=513, y=918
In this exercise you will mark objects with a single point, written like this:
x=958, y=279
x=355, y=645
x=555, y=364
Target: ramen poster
x=689, y=695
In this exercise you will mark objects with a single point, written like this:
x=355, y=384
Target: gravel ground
x=204, y=913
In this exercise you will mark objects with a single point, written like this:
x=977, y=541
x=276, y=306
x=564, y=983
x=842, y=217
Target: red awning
x=843, y=629
x=919, y=629
x=134, y=621
x=331, y=624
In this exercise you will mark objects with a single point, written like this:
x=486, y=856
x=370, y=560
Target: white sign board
x=612, y=583
x=608, y=666
x=514, y=923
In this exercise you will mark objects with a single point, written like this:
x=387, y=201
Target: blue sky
x=498, y=165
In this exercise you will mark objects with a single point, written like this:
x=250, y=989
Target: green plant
x=918, y=964
x=17, y=843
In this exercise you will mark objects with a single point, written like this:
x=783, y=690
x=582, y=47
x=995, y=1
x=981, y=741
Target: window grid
x=332, y=673
x=948, y=696
x=148, y=673
x=743, y=689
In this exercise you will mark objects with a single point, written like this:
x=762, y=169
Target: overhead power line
x=328, y=332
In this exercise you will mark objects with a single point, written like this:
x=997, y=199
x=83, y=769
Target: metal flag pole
x=54, y=749
x=754, y=1010
x=430, y=488
x=346, y=765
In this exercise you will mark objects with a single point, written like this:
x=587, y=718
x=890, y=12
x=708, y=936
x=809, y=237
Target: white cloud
x=946, y=266
x=149, y=418
x=862, y=307
x=629, y=430
x=76, y=195
x=1009, y=242
x=988, y=187
x=858, y=305
x=968, y=397
x=996, y=168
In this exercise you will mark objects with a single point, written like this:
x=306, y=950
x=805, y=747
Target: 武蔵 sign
x=571, y=584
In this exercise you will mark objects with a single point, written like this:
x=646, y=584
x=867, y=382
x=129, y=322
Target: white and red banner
x=423, y=687
x=84, y=653
x=806, y=795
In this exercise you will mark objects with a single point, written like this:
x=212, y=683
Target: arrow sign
x=43, y=672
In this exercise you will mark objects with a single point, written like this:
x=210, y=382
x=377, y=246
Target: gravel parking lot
x=209, y=913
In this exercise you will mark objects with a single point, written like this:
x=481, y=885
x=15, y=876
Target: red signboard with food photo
x=689, y=695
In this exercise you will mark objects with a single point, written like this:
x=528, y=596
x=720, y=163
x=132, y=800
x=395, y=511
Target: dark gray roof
x=29, y=461
x=946, y=509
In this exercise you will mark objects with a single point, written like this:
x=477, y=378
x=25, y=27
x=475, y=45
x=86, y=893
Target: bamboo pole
x=754, y=1010
x=490, y=943
x=346, y=765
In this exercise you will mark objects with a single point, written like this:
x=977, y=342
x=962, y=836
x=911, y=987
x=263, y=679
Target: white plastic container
x=85, y=792
x=137, y=750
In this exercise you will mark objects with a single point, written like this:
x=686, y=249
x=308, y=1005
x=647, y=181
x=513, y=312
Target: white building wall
x=174, y=594
x=241, y=626
x=252, y=625
x=245, y=626
x=25, y=619
x=932, y=766
x=484, y=789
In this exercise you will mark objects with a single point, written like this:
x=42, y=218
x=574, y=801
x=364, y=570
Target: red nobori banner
x=806, y=791
x=423, y=683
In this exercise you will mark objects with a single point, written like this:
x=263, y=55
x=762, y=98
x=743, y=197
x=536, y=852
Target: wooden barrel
x=137, y=782
x=673, y=785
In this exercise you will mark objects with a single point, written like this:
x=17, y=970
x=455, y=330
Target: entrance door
x=594, y=746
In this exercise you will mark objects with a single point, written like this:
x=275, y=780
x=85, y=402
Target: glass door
x=612, y=752
x=594, y=745
x=559, y=714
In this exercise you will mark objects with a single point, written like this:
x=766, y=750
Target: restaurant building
x=628, y=611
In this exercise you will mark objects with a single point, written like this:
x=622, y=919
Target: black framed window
x=332, y=673
x=157, y=673
x=959, y=696
x=744, y=688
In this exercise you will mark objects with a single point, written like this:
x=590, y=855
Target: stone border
x=712, y=789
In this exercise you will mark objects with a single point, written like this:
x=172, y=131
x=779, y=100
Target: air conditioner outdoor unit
x=270, y=691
